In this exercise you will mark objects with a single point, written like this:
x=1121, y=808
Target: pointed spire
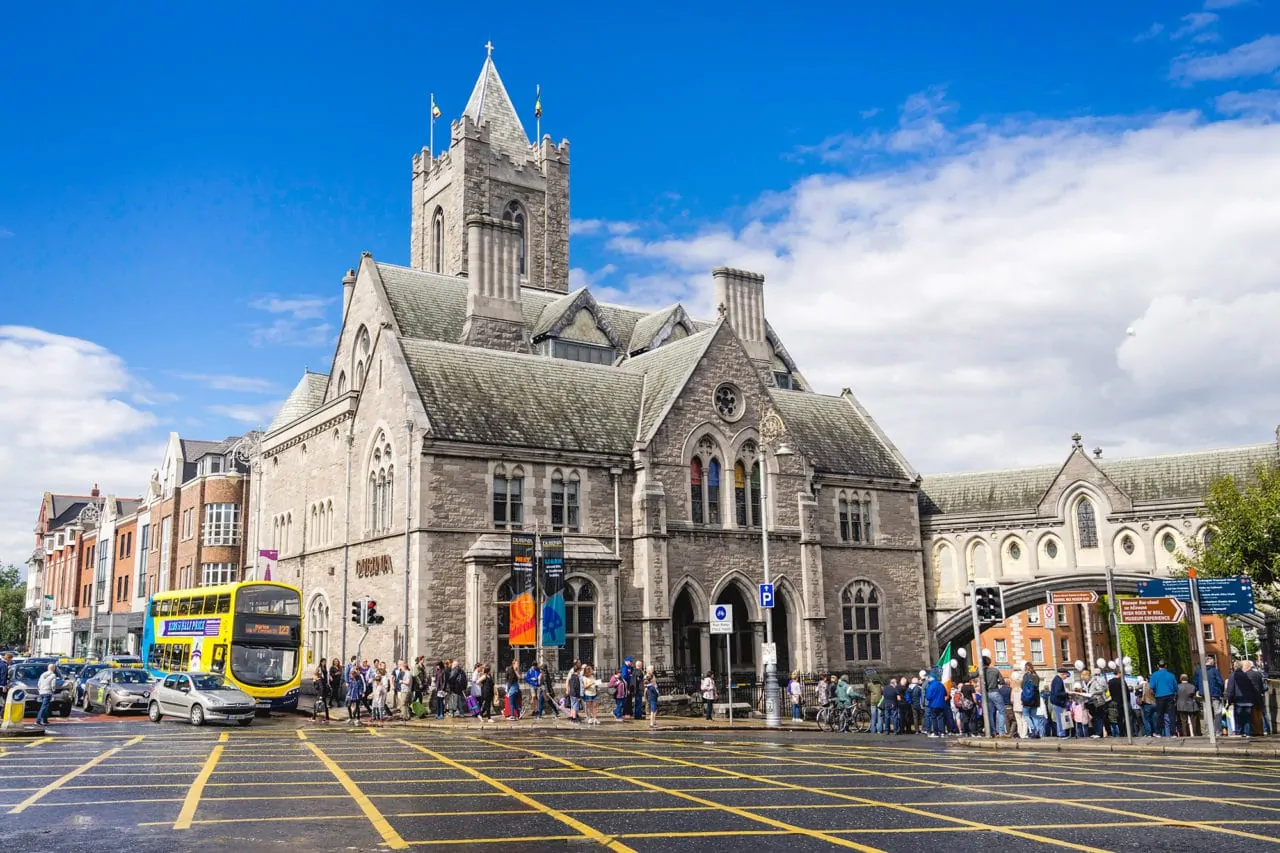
x=489, y=103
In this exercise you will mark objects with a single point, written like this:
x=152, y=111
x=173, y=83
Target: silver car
x=119, y=690
x=200, y=696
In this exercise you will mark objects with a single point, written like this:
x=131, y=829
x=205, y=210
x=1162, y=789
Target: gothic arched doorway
x=743, y=639
x=782, y=633
x=686, y=634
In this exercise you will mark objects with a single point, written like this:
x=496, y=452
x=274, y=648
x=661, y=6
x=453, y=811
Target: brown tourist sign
x=1075, y=596
x=1151, y=611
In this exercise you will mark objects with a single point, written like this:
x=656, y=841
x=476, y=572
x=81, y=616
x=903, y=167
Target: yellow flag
x=435, y=111
x=537, y=105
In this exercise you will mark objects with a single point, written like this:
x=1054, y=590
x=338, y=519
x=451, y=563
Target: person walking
x=355, y=693
x=708, y=689
x=618, y=689
x=935, y=697
x=796, y=691
x=320, y=680
x=651, y=696
x=637, y=688
x=573, y=692
x=1165, y=688
x=1243, y=695
x=590, y=694
x=45, y=686
x=533, y=678
x=485, y=680
x=513, y=691
x=1030, y=697
x=1188, y=703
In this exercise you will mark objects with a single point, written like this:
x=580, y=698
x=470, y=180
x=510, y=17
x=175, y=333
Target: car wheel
x=85, y=703
x=153, y=712
x=197, y=715
x=110, y=707
x=65, y=710
x=246, y=722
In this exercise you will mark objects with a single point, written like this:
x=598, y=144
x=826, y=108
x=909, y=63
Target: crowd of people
x=379, y=692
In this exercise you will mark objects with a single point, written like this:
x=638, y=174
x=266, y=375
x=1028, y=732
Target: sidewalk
x=561, y=724
x=1260, y=747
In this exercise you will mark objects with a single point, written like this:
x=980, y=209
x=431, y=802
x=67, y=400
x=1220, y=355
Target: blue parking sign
x=766, y=595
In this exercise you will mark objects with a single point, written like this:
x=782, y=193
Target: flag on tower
x=537, y=104
x=435, y=111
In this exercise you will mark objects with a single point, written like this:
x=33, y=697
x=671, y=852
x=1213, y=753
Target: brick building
x=472, y=395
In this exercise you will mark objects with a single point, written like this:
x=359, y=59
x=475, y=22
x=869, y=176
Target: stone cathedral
x=471, y=394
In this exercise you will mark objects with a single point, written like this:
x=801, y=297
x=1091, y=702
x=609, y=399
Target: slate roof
x=490, y=103
x=193, y=450
x=553, y=311
x=665, y=371
x=1173, y=477
x=305, y=397
x=66, y=508
x=833, y=435
x=647, y=328
x=515, y=400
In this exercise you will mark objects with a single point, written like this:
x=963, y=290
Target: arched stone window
x=704, y=484
x=713, y=491
x=503, y=623
x=381, y=487
x=1086, y=524
x=315, y=526
x=580, y=600
x=318, y=628
x=437, y=241
x=697, y=492
x=360, y=357
x=860, y=613
x=854, y=516
x=508, y=498
x=342, y=381
x=746, y=489
x=566, y=496
x=515, y=214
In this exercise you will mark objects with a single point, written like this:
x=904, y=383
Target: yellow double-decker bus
x=250, y=633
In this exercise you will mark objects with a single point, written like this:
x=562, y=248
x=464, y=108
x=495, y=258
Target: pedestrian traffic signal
x=989, y=602
x=371, y=616
x=357, y=611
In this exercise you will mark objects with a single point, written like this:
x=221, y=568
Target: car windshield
x=72, y=668
x=33, y=671
x=210, y=682
x=131, y=676
x=271, y=600
x=91, y=671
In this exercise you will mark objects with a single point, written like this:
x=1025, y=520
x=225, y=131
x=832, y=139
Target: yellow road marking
x=1083, y=804
x=39, y=741
x=500, y=841
x=684, y=795
x=389, y=835
x=261, y=819
x=224, y=737
x=192, y=799
x=67, y=777
x=586, y=830
x=302, y=735
x=973, y=824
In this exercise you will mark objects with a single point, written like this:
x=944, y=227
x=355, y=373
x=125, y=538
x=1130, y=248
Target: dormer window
x=574, y=351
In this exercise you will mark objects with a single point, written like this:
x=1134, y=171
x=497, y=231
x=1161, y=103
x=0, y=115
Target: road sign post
x=1210, y=719
x=722, y=623
x=1115, y=628
x=766, y=596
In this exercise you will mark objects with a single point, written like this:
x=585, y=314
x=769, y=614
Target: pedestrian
x=590, y=694
x=823, y=692
x=875, y=695
x=637, y=688
x=935, y=697
x=994, y=700
x=1116, y=713
x=651, y=696
x=1217, y=687
x=1030, y=698
x=627, y=674
x=962, y=699
x=796, y=691
x=889, y=701
x=45, y=686
x=5, y=663
x=379, y=699
x=573, y=690
x=512, y=711
x=1188, y=703
x=618, y=690
x=1244, y=696
x=533, y=678
x=355, y=693
x=1060, y=701
x=321, y=682
x=420, y=680
x=1165, y=689
x=436, y=691
x=1010, y=713
x=708, y=688
x=457, y=698
x=485, y=683
x=1258, y=722
x=335, y=681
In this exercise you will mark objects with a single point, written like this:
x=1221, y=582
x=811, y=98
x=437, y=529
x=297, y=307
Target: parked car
x=86, y=671
x=27, y=674
x=119, y=690
x=200, y=697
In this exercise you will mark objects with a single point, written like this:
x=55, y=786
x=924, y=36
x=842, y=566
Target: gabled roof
x=835, y=436
x=665, y=371
x=557, y=315
x=305, y=398
x=66, y=508
x=652, y=329
x=193, y=450
x=1149, y=479
x=506, y=399
x=490, y=104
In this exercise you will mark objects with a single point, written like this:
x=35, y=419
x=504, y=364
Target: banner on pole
x=269, y=559
x=524, y=622
x=553, y=591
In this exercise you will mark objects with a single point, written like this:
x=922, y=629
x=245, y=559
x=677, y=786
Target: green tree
x=1245, y=521
x=13, y=598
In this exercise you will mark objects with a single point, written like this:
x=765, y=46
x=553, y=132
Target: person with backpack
x=966, y=708
x=618, y=688
x=1030, y=697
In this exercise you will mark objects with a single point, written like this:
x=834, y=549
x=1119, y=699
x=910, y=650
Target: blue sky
x=183, y=189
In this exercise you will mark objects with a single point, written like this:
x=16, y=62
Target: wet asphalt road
x=131, y=785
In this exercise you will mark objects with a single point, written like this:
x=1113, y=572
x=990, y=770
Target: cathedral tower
x=490, y=169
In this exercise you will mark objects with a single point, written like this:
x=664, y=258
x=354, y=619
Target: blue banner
x=553, y=628
x=1217, y=595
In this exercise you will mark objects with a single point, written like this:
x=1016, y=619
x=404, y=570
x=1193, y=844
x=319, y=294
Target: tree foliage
x=13, y=598
x=1245, y=539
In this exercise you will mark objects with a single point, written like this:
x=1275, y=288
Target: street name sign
x=722, y=618
x=1217, y=595
x=1075, y=596
x=1151, y=611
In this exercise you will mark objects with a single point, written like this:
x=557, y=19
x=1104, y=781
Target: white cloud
x=64, y=425
x=1260, y=56
x=300, y=321
x=1263, y=103
x=1224, y=4
x=1149, y=33
x=226, y=382
x=920, y=128
x=255, y=415
x=1194, y=24
x=977, y=298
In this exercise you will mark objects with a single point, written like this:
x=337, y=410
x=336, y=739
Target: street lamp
x=772, y=435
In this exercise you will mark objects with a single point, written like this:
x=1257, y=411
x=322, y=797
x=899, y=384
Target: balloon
x=1101, y=662
x=1127, y=660
x=955, y=664
x=923, y=673
x=962, y=653
x=986, y=653
x=1079, y=666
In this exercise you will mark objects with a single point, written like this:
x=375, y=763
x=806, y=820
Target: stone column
x=812, y=616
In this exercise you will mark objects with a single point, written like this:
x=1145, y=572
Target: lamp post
x=248, y=452
x=772, y=432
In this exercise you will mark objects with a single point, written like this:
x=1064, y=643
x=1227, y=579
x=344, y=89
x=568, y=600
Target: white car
x=200, y=697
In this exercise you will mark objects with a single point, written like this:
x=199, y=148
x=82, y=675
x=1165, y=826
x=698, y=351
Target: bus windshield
x=268, y=600
x=263, y=666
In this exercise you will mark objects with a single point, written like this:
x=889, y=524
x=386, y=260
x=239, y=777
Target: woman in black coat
x=1243, y=695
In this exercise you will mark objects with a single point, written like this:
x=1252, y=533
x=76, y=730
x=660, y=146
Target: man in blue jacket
x=1217, y=688
x=935, y=697
x=1165, y=688
x=1061, y=702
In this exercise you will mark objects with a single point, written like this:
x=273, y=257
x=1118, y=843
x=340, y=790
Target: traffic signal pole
x=977, y=647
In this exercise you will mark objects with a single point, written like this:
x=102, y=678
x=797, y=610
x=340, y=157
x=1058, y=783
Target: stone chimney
x=94, y=493
x=348, y=287
x=740, y=296
x=494, y=319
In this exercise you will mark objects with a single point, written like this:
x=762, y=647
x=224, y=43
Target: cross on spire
x=488, y=45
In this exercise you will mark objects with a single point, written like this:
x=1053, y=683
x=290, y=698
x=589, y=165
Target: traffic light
x=989, y=602
x=371, y=616
x=357, y=611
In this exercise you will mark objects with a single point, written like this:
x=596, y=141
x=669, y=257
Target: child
x=379, y=699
